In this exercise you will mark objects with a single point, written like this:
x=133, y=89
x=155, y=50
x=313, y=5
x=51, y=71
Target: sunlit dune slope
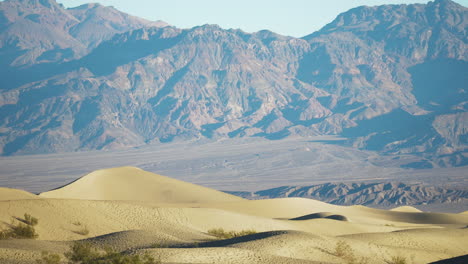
x=290, y=208
x=134, y=184
x=7, y=194
x=451, y=240
x=408, y=209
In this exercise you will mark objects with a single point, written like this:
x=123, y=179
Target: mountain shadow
x=440, y=84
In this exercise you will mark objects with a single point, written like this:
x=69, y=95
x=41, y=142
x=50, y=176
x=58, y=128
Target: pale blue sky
x=288, y=17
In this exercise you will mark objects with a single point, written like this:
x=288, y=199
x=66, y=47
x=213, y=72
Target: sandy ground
x=135, y=211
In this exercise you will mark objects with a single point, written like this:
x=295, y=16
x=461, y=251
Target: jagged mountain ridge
x=406, y=55
x=359, y=77
x=40, y=31
x=370, y=194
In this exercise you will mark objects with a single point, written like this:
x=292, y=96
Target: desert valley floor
x=231, y=165
x=138, y=212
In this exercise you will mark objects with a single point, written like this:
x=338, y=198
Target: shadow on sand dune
x=236, y=240
x=322, y=215
x=456, y=260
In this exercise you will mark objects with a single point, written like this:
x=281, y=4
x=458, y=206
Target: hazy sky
x=288, y=17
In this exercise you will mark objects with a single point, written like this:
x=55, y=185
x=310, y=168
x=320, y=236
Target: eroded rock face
x=43, y=31
x=382, y=76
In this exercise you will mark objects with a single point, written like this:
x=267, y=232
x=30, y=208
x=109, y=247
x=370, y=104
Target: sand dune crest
x=14, y=194
x=134, y=184
x=407, y=209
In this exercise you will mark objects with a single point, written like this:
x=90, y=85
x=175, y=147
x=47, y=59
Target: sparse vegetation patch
x=397, y=260
x=84, y=231
x=85, y=253
x=221, y=233
x=22, y=230
x=344, y=251
x=30, y=220
x=47, y=258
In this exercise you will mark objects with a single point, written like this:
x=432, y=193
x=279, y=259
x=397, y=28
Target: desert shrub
x=30, y=220
x=397, y=260
x=159, y=245
x=245, y=233
x=4, y=234
x=118, y=258
x=342, y=249
x=221, y=233
x=83, y=231
x=217, y=232
x=23, y=231
x=156, y=245
x=81, y=252
x=47, y=258
x=20, y=231
x=85, y=253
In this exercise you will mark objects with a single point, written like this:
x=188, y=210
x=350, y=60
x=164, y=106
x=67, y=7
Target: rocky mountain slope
x=40, y=31
x=390, y=78
x=389, y=194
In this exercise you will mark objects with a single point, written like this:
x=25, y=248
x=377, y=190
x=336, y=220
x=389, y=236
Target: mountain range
x=388, y=78
x=383, y=194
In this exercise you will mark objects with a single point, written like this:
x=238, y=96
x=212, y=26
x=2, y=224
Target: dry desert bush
x=221, y=233
x=30, y=220
x=85, y=253
x=21, y=230
x=397, y=260
x=47, y=258
x=344, y=251
x=84, y=231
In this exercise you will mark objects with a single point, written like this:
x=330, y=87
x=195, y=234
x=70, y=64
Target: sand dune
x=289, y=208
x=228, y=255
x=14, y=194
x=408, y=209
x=282, y=208
x=446, y=240
x=131, y=210
x=407, y=217
x=130, y=183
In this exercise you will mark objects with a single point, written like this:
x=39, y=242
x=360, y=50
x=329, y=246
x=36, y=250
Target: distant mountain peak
x=88, y=6
x=446, y=2
x=207, y=27
x=265, y=33
x=45, y=3
x=383, y=17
